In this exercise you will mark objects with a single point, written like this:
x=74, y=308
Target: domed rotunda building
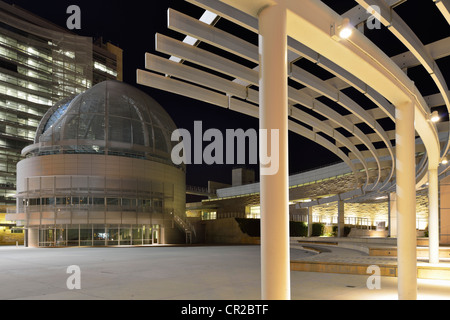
x=100, y=173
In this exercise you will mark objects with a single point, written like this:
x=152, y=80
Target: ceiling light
x=435, y=116
x=343, y=31
x=444, y=160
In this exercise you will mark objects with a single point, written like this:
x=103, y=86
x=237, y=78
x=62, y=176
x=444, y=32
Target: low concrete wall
x=360, y=233
x=7, y=238
x=423, y=272
x=341, y=267
x=421, y=252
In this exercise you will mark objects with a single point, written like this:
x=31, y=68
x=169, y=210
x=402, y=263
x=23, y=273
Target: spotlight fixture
x=435, y=116
x=345, y=29
x=444, y=160
x=342, y=31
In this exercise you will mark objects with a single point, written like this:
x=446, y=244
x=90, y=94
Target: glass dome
x=110, y=118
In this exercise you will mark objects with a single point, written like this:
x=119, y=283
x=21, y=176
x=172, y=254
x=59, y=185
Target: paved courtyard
x=175, y=273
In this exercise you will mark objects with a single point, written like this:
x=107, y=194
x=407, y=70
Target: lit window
x=105, y=69
x=209, y=215
x=254, y=213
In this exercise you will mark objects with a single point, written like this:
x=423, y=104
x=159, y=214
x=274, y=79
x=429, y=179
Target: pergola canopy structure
x=356, y=133
x=347, y=95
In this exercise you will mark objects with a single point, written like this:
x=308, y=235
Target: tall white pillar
x=392, y=215
x=433, y=215
x=310, y=221
x=273, y=113
x=33, y=237
x=406, y=202
x=341, y=218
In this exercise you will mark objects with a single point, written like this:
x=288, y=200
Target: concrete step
x=422, y=252
x=386, y=270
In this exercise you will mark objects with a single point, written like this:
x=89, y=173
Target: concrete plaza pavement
x=178, y=273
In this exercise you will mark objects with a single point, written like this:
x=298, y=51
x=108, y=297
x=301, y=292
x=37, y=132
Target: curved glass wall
x=80, y=186
x=111, y=118
x=98, y=235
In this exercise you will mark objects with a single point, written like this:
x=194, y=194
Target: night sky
x=132, y=25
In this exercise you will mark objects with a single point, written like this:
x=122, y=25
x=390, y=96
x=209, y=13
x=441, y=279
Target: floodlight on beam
x=435, y=116
x=342, y=31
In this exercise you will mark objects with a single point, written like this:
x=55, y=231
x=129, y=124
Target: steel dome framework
x=110, y=118
x=227, y=72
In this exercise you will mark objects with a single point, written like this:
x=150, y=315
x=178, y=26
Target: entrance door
x=46, y=237
x=155, y=236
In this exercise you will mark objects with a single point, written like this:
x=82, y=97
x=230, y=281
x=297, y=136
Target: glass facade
x=38, y=67
x=209, y=215
x=253, y=212
x=110, y=118
x=60, y=101
x=100, y=173
x=155, y=204
x=98, y=235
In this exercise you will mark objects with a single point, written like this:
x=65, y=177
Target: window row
x=98, y=201
x=98, y=235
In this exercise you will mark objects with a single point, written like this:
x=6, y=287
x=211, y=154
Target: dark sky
x=132, y=25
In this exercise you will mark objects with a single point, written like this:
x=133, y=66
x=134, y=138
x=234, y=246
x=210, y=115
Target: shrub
x=346, y=231
x=298, y=229
x=252, y=227
x=317, y=229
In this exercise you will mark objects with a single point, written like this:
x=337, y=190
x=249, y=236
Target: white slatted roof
x=345, y=111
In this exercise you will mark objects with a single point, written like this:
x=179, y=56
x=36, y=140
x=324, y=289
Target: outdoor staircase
x=186, y=227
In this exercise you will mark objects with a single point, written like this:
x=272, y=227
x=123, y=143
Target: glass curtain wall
x=38, y=67
x=98, y=235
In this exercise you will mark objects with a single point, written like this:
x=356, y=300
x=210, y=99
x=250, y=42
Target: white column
x=341, y=218
x=393, y=215
x=33, y=237
x=310, y=221
x=433, y=215
x=444, y=189
x=275, y=261
x=406, y=202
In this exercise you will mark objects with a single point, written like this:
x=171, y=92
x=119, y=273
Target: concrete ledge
x=328, y=243
x=392, y=252
x=315, y=250
x=423, y=272
x=359, y=233
x=433, y=272
x=372, y=246
x=383, y=252
x=380, y=241
x=343, y=268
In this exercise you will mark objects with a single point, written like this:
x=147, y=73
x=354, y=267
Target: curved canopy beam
x=356, y=63
x=223, y=40
x=403, y=32
x=202, y=78
x=195, y=92
x=309, y=23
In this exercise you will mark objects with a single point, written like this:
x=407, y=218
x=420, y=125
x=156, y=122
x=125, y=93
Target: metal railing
x=187, y=227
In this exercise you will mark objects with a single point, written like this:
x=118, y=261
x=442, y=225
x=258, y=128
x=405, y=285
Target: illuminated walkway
x=178, y=273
